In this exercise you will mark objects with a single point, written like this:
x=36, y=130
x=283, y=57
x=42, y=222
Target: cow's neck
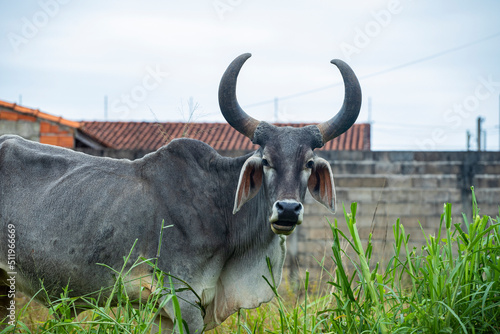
x=249, y=227
x=250, y=243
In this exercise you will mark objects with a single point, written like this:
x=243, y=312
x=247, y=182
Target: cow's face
x=285, y=166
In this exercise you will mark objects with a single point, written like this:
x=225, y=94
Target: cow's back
x=79, y=210
x=70, y=211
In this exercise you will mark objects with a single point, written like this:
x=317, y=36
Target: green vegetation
x=450, y=285
x=117, y=314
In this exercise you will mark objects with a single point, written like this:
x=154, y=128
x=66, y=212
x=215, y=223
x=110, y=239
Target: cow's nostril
x=298, y=208
x=280, y=207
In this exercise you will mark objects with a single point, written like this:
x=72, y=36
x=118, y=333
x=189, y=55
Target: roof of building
x=221, y=136
x=149, y=136
x=38, y=114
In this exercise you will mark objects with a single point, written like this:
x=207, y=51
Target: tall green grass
x=110, y=310
x=449, y=285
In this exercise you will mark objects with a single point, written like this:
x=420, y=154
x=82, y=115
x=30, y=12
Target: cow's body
x=71, y=211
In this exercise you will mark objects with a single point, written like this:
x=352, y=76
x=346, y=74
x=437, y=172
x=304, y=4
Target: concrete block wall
x=411, y=186
x=26, y=129
x=33, y=128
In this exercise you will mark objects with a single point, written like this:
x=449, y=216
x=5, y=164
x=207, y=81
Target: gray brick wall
x=26, y=129
x=412, y=186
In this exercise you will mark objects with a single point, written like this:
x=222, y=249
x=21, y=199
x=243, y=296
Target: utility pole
x=370, y=131
x=191, y=106
x=479, y=120
x=276, y=110
x=105, y=107
x=370, y=110
x=468, y=140
x=484, y=140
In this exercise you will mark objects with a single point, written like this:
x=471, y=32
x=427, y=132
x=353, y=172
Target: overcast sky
x=430, y=68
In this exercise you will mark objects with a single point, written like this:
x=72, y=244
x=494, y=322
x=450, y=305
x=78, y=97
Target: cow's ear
x=321, y=184
x=249, y=183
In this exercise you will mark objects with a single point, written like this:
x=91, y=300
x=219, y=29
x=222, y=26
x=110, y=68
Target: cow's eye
x=310, y=164
x=265, y=163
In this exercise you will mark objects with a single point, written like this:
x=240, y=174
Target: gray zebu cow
x=72, y=210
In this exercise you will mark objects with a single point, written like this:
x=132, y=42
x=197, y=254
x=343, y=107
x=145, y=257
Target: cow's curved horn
x=349, y=112
x=228, y=103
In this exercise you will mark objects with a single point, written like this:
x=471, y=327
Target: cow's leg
x=190, y=312
x=191, y=316
x=162, y=325
x=140, y=285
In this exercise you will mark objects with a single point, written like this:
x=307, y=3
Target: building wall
x=55, y=134
x=24, y=126
x=387, y=186
x=36, y=129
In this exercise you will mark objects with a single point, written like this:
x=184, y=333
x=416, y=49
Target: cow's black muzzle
x=285, y=216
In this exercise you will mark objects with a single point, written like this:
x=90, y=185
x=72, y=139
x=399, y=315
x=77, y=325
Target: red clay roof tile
x=221, y=136
x=151, y=136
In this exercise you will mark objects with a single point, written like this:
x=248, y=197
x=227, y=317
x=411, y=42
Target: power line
x=439, y=54
x=436, y=55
